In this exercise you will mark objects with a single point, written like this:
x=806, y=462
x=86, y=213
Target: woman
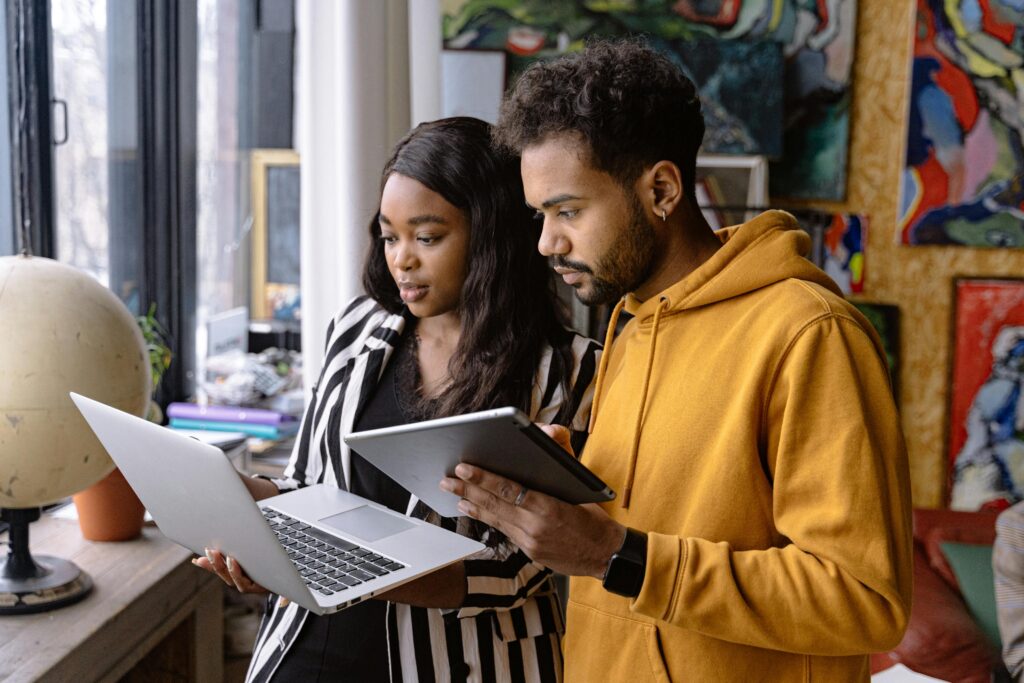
x=459, y=316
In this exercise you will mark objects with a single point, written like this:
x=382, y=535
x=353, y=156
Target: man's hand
x=577, y=540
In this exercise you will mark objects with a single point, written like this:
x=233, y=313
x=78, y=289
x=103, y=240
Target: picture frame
x=731, y=189
x=985, y=429
x=275, y=243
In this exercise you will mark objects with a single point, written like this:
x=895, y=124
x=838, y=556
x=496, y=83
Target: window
x=96, y=153
x=8, y=243
x=244, y=101
x=223, y=217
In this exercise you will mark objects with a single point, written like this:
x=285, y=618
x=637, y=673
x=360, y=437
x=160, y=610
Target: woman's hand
x=560, y=435
x=229, y=571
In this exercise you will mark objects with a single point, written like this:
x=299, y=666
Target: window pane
x=222, y=179
x=7, y=241
x=95, y=170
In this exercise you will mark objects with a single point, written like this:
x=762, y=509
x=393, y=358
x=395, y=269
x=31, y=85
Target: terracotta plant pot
x=109, y=510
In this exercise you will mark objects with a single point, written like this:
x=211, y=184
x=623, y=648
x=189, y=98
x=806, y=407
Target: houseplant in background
x=109, y=510
x=159, y=357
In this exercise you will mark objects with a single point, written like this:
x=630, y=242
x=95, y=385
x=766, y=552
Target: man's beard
x=624, y=267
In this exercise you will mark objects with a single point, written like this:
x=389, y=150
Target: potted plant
x=159, y=356
x=109, y=510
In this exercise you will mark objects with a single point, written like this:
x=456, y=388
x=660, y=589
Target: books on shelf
x=263, y=431
x=253, y=422
x=212, y=413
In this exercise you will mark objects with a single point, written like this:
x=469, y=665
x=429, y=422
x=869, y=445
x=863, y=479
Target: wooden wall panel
x=918, y=279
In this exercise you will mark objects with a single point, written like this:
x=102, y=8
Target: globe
x=62, y=331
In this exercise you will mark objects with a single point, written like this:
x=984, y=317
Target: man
x=743, y=414
x=1008, y=567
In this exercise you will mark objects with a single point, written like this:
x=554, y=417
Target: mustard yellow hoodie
x=745, y=418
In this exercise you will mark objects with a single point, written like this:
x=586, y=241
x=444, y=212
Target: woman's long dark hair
x=508, y=308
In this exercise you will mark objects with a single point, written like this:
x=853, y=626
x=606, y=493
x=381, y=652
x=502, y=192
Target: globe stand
x=35, y=584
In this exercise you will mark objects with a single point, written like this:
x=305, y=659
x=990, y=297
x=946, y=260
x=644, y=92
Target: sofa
x=945, y=638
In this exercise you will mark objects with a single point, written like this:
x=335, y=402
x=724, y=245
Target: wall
x=918, y=279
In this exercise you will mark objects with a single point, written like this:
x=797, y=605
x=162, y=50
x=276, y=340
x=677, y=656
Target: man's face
x=596, y=232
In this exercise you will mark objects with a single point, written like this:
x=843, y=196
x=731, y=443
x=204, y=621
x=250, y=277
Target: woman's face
x=426, y=244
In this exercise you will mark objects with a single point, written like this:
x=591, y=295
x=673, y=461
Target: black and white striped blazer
x=509, y=628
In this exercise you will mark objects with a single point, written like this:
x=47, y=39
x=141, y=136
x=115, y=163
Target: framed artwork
x=986, y=424
x=731, y=189
x=885, y=318
x=752, y=60
x=275, y=235
x=838, y=241
x=964, y=156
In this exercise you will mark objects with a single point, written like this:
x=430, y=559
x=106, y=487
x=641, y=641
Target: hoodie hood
x=768, y=249
x=759, y=253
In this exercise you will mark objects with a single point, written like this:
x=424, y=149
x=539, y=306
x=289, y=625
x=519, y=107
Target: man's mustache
x=578, y=266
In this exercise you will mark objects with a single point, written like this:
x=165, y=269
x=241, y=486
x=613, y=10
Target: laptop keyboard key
x=360, y=574
x=323, y=559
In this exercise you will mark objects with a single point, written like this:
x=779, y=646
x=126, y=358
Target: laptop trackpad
x=367, y=523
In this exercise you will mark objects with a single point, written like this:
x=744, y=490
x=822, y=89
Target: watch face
x=624, y=576
x=626, y=569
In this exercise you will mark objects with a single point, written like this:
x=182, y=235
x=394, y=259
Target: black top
x=381, y=410
x=352, y=644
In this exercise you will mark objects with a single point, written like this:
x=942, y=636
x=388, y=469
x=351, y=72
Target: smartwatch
x=625, y=572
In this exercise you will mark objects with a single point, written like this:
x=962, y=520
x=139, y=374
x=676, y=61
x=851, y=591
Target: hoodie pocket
x=601, y=646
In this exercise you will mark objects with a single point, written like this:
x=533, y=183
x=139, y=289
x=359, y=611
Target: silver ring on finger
x=522, y=495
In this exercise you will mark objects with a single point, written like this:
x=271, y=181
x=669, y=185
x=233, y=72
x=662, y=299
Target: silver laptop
x=320, y=547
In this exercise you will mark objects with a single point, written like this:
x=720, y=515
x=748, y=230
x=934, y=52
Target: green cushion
x=972, y=565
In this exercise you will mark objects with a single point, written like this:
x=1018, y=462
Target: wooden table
x=151, y=615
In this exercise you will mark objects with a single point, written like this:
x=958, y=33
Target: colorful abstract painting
x=815, y=37
x=986, y=431
x=838, y=242
x=963, y=180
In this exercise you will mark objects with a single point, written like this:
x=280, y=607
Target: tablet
x=503, y=441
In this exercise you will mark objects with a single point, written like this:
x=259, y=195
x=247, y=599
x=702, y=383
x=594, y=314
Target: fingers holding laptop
x=229, y=571
x=572, y=539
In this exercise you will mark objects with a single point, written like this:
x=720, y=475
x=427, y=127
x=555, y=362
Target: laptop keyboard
x=327, y=564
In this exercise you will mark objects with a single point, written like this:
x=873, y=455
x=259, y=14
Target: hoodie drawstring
x=631, y=472
x=609, y=337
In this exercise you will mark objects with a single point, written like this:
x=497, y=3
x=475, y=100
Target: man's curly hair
x=629, y=103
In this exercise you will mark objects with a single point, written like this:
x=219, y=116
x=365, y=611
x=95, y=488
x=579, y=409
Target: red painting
x=986, y=431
